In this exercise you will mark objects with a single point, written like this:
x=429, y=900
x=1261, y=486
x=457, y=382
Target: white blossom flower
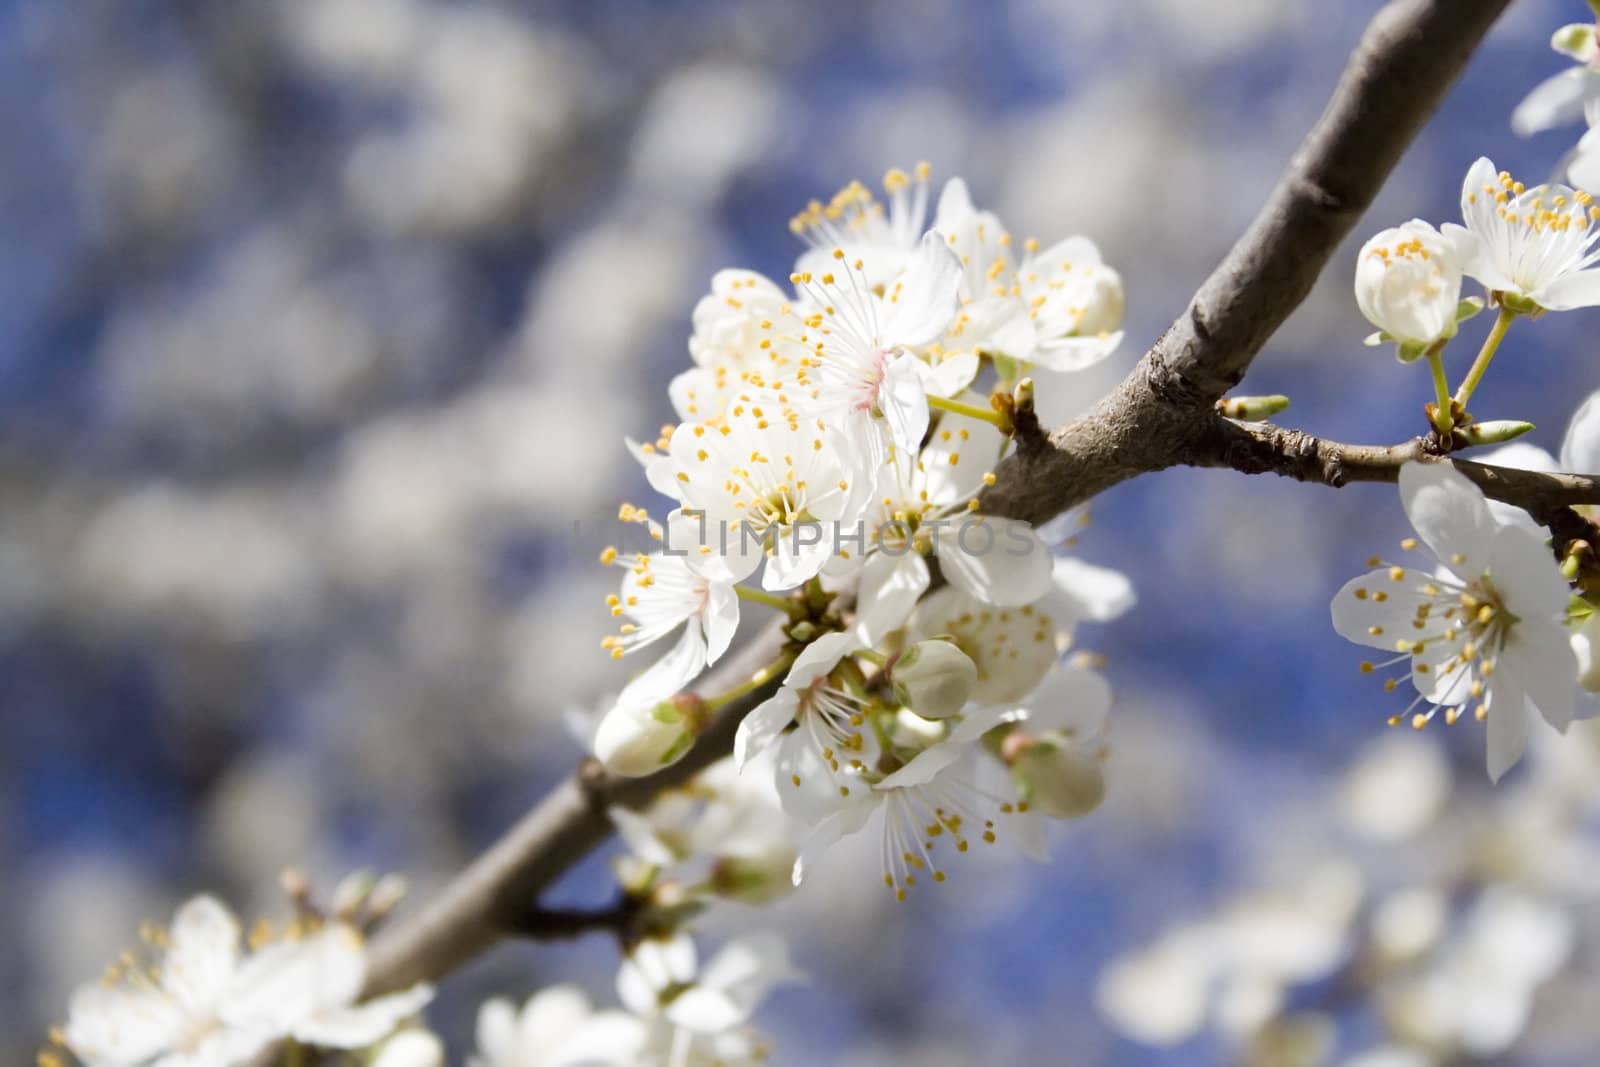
x=764, y=481
x=1537, y=244
x=698, y=1016
x=735, y=821
x=1478, y=997
x=830, y=733
x=206, y=1005
x=925, y=503
x=1563, y=98
x=557, y=1027
x=856, y=222
x=1059, y=308
x=934, y=803
x=1580, y=452
x=861, y=361
x=1408, y=284
x=730, y=325
x=1234, y=966
x=661, y=592
x=1484, y=628
x=1056, y=759
x=1013, y=648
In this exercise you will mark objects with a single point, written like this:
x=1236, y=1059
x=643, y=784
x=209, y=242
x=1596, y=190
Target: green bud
x=1252, y=408
x=1468, y=308
x=1410, y=351
x=1575, y=40
x=1520, y=304
x=1058, y=780
x=935, y=679
x=757, y=879
x=1494, y=432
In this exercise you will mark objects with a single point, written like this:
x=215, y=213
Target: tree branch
x=1261, y=448
x=1160, y=416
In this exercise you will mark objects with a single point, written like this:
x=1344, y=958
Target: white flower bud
x=760, y=878
x=1585, y=643
x=411, y=1048
x=935, y=679
x=634, y=742
x=1408, y=284
x=1058, y=780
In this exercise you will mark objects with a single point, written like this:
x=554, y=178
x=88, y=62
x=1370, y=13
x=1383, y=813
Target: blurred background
x=321, y=324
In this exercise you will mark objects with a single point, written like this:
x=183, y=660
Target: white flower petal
x=1006, y=565
x=1526, y=575
x=1359, y=616
x=1069, y=354
x=203, y=954
x=847, y=819
x=1073, y=700
x=1540, y=655
x=923, y=301
x=951, y=375
x=551, y=1016
x=1507, y=732
x=904, y=401
x=638, y=833
x=1449, y=514
x=497, y=1032
x=668, y=675
x=117, y=1025
x=745, y=969
x=364, y=1024
x=1584, y=169
x=606, y=1039
x=1580, y=448
x=290, y=982
x=1096, y=593
x=721, y=619
x=1578, y=289
x=819, y=657
x=924, y=766
x=760, y=729
x=1556, y=101
x=890, y=588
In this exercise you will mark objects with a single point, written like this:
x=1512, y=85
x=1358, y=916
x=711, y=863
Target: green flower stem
x=1491, y=343
x=761, y=596
x=1443, y=420
x=778, y=666
x=971, y=411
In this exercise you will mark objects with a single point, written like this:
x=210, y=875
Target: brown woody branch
x=1261, y=448
x=1160, y=416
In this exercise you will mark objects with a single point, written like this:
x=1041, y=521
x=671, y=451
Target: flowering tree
x=858, y=459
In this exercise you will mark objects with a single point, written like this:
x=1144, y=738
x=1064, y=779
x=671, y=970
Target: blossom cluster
x=203, y=1001
x=837, y=436
x=1499, y=623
